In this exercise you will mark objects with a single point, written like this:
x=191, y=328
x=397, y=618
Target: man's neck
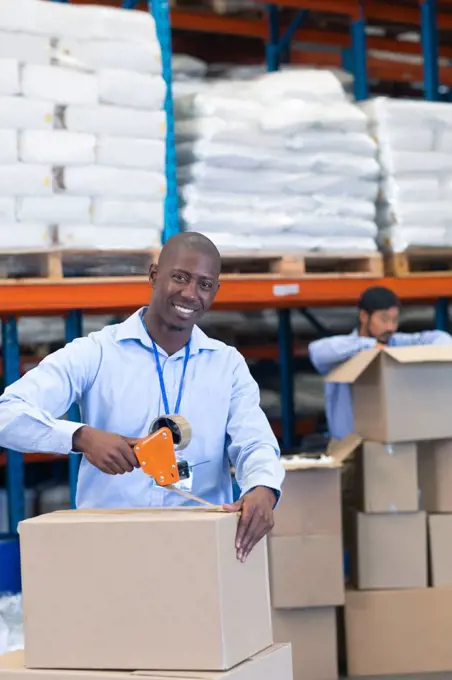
x=169, y=339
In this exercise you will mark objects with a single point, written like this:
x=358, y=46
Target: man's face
x=380, y=325
x=184, y=287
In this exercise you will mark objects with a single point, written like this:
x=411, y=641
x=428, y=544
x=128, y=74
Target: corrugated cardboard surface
x=399, y=631
x=392, y=550
x=310, y=504
x=157, y=589
x=435, y=475
x=313, y=635
x=440, y=540
x=306, y=571
x=389, y=477
x=274, y=662
x=399, y=394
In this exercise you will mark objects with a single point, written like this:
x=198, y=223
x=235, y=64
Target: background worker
x=156, y=362
x=378, y=321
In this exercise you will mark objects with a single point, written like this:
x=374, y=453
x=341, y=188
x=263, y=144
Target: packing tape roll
x=179, y=426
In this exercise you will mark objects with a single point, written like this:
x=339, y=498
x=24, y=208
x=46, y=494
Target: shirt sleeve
x=327, y=353
x=31, y=408
x=251, y=445
x=423, y=338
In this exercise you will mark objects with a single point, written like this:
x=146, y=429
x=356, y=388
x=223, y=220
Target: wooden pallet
x=420, y=261
x=309, y=265
x=60, y=264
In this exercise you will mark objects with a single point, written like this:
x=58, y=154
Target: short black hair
x=377, y=298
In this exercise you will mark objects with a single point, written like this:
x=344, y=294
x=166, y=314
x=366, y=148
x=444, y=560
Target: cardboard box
x=392, y=551
x=274, y=662
x=435, y=475
x=306, y=571
x=398, y=631
x=141, y=589
x=399, y=393
x=389, y=477
x=313, y=636
x=440, y=540
x=311, y=502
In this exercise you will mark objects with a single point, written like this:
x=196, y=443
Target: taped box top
x=399, y=393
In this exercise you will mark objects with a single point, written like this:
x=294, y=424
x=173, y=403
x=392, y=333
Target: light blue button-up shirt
x=327, y=353
x=112, y=376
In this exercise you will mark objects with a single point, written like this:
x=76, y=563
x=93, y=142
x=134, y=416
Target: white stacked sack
x=415, y=153
x=82, y=127
x=279, y=162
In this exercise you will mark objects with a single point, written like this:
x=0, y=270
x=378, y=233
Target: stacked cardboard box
x=156, y=593
x=395, y=622
x=306, y=564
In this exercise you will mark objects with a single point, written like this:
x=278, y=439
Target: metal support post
x=272, y=49
x=129, y=4
x=74, y=329
x=285, y=344
x=359, y=51
x=442, y=315
x=14, y=461
x=161, y=13
x=429, y=34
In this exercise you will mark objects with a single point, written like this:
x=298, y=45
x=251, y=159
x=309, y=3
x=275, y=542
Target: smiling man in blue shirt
x=378, y=322
x=157, y=361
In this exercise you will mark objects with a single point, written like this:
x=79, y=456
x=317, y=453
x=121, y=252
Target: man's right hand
x=109, y=452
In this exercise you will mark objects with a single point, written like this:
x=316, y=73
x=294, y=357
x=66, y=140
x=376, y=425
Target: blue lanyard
x=162, y=382
x=160, y=372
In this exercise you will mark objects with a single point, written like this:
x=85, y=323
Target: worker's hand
x=109, y=452
x=256, y=519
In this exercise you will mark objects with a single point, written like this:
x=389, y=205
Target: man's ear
x=152, y=274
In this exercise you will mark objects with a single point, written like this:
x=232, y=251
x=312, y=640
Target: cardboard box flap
x=333, y=458
x=350, y=370
x=420, y=354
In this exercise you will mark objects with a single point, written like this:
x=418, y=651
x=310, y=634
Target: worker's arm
x=253, y=450
x=327, y=353
x=423, y=338
x=31, y=408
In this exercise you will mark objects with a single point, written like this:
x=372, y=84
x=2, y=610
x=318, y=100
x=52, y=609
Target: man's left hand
x=256, y=519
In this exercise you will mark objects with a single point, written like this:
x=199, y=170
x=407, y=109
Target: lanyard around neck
x=162, y=382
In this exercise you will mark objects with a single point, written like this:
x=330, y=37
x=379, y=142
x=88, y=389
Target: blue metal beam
x=14, y=466
x=74, y=329
x=129, y=4
x=161, y=13
x=285, y=344
x=442, y=315
x=277, y=45
x=429, y=34
x=359, y=55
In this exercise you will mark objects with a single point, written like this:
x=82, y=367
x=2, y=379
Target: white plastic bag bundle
x=414, y=163
x=411, y=189
x=418, y=213
x=130, y=213
x=54, y=209
x=29, y=49
x=111, y=54
x=11, y=623
x=97, y=181
x=19, y=113
x=313, y=85
x=296, y=116
x=107, y=238
x=398, y=239
x=56, y=147
x=147, y=154
x=59, y=85
x=134, y=90
x=228, y=103
x=19, y=236
x=9, y=77
x=8, y=146
x=115, y=121
x=58, y=19
x=236, y=221
x=356, y=143
x=7, y=210
x=21, y=179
